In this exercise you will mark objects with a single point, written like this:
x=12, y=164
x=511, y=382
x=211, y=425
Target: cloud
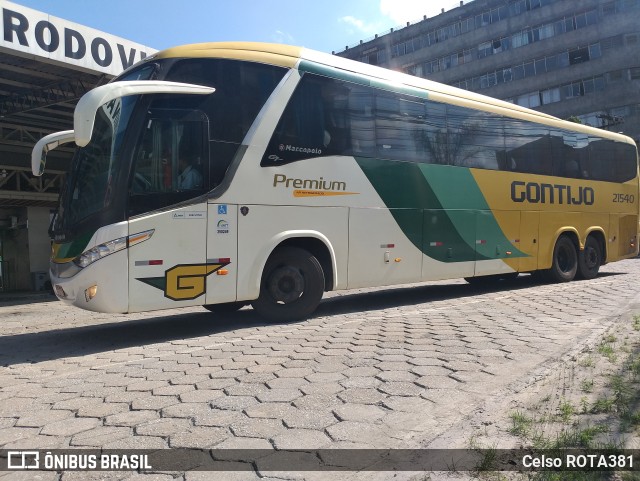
x=403, y=11
x=360, y=25
x=280, y=36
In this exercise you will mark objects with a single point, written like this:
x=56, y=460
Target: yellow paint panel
x=547, y=211
x=273, y=54
x=497, y=188
x=529, y=240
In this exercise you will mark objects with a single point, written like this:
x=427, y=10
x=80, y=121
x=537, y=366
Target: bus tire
x=225, y=307
x=291, y=287
x=564, y=263
x=590, y=259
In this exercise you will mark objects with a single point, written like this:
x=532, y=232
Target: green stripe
x=360, y=79
x=436, y=204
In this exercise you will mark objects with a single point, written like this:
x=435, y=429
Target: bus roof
x=271, y=53
x=291, y=56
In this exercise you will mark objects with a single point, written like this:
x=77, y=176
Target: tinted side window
x=399, y=122
x=433, y=138
x=475, y=138
x=242, y=88
x=527, y=147
x=317, y=121
x=360, y=118
x=332, y=117
x=611, y=161
x=574, y=158
x=169, y=166
x=600, y=164
x=626, y=162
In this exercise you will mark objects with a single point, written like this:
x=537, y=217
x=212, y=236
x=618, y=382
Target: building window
x=530, y=100
x=611, y=42
x=529, y=69
x=518, y=72
x=573, y=90
x=578, y=55
x=550, y=96
x=615, y=76
x=484, y=49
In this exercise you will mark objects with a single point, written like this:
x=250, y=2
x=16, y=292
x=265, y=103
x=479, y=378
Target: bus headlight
x=100, y=251
x=103, y=250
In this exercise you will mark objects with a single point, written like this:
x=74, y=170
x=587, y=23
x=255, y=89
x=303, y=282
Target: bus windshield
x=153, y=151
x=95, y=168
x=98, y=164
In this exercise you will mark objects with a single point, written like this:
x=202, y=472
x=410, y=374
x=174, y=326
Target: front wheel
x=565, y=261
x=291, y=287
x=590, y=259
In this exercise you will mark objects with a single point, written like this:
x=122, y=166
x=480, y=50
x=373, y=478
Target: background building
x=46, y=65
x=564, y=57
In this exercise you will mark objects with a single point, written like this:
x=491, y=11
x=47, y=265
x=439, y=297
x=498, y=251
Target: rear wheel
x=590, y=259
x=291, y=287
x=225, y=307
x=565, y=261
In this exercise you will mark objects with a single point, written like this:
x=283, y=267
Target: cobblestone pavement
x=381, y=368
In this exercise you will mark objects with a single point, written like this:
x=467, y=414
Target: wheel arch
x=571, y=233
x=312, y=241
x=600, y=236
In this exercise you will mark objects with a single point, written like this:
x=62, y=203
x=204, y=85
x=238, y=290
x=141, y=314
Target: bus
x=228, y=174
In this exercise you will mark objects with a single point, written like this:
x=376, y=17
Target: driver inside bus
x=189, y=178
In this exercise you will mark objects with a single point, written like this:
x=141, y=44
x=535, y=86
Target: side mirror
x=44, y=145
x=85, y=112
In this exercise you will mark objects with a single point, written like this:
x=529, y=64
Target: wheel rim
x=565, y=259
x=591, y=258
x=286, y=284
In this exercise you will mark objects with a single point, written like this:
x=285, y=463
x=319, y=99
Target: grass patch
x=603, y=405
x=599, y=421
x=607, y=350
x=586, y=385
x=521, y=424
x=588, y=361
x=566, y=411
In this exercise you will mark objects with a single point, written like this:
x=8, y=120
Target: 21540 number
x=624, y=198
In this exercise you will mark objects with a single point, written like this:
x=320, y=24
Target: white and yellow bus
x=225, y=174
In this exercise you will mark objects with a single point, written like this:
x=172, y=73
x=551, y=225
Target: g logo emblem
x=186, y=281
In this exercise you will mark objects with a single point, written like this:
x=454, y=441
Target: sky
x=325, y=25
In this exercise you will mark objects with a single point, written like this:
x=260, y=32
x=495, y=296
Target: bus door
x=168, y=268
x=222, y=253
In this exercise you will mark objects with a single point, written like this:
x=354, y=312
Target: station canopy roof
x=46, y=65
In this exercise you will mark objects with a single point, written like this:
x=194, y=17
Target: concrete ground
x=402, y=367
